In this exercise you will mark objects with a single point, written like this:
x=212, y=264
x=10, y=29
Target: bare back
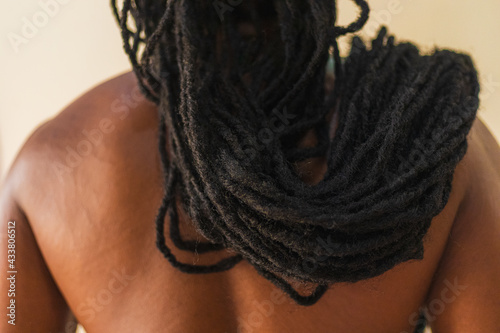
x=89, y=182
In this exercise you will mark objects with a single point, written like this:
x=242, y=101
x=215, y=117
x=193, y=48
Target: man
x=84, y=190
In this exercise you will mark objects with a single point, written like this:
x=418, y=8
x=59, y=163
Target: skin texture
x=85, y=242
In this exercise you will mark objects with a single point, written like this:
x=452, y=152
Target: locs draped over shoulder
x=402, y=127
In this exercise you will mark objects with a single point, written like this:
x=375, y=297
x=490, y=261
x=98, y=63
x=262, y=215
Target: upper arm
x=32, y=295
x=34, y=191
x=465, y=296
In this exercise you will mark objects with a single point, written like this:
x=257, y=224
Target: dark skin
x=85, y=242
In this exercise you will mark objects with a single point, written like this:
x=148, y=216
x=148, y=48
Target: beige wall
x=79, y=46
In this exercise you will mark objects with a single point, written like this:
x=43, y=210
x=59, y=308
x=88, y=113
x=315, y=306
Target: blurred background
x=75, y=45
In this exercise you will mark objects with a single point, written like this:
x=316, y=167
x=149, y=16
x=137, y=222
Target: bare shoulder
x=57, y=167
x=95, y=125
x=112, y=107
x=94, y=151
x=79, y=167
x=60, y=159
x=465, y=296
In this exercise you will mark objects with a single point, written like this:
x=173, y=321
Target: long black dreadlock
x=217, y=89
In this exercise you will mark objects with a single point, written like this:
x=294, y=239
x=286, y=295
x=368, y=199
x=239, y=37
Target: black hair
x=402, y=127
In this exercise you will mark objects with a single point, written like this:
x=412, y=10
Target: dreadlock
x=403, y=119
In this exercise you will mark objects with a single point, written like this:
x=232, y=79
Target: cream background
x=80, y=46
